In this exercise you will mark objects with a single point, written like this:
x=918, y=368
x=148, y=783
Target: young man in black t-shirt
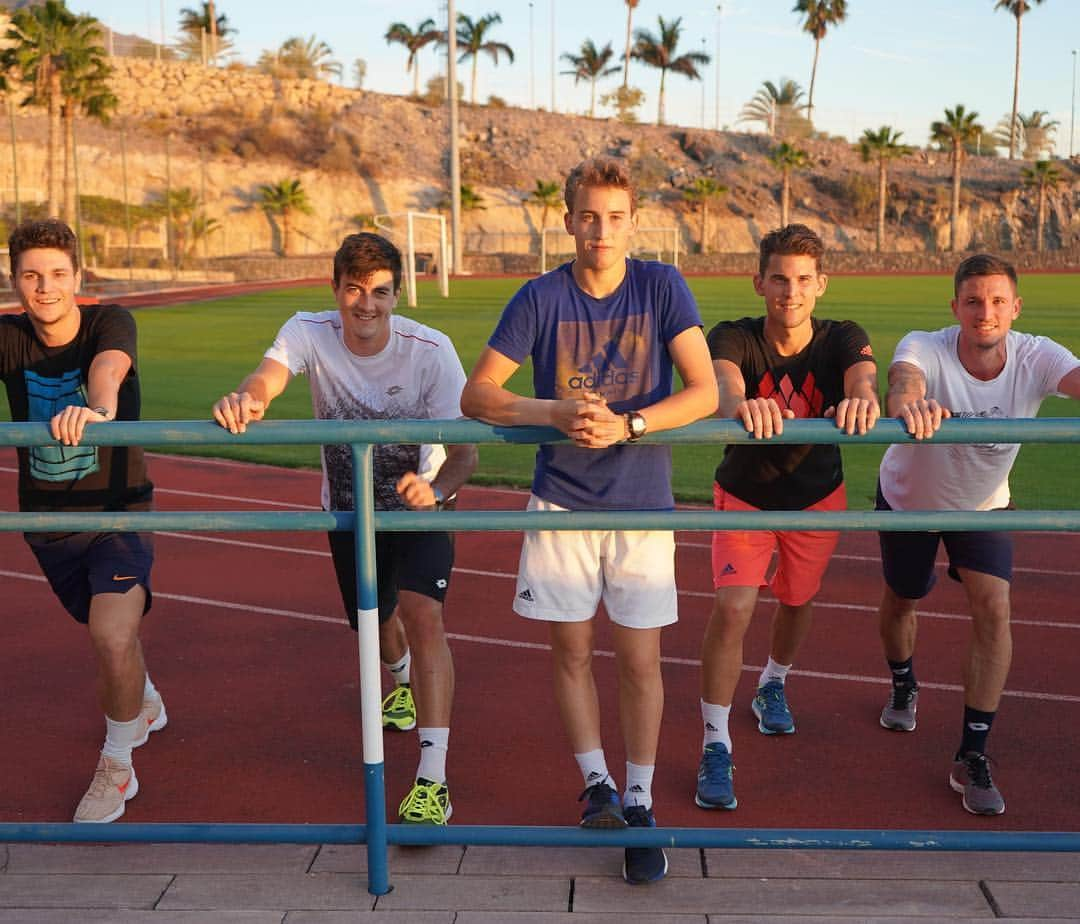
x=74, y=366
x=787, y=364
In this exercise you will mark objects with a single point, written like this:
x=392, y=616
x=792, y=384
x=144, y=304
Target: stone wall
x=172, y=89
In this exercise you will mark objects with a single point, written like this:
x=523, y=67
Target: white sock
x=594, y=768
x=434, y=743
x=399, y=670
x=638, y=784
x=149, y=690
x=773, y=671
x=118, y=739
x=715, y=720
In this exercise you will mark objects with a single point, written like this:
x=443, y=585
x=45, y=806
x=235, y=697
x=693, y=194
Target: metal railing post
x=370, y=689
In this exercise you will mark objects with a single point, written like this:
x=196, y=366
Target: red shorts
x=740, y=558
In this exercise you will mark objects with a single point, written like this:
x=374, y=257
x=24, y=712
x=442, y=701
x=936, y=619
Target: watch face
x=637, y=425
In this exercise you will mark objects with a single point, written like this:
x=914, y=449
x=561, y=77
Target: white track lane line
x=538, y=646
x=702, y=594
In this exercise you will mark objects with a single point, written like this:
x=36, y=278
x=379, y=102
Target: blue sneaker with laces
x=715, y=787
x=771, y=708
x=643, y=864
x=603, y=808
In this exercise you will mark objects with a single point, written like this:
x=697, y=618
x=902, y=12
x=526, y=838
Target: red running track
x=248, y=644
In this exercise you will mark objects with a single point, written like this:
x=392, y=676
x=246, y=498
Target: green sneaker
x=399, y=709
x=426, y=804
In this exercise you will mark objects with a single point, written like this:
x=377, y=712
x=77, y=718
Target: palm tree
x=786, y=158
x=703, y=190
x=1033, y=136
x=779, y=108
x=284, y=198
x=45, y=42
x=590, y=65
x=1044, y=176
x=957, y=129
x=414, y=41
x=548, y=195
x=631, y=5
x=207, y=20
x=1018, y=8
x=179, y=206
x=471, y=41
x=84, y=86
x=301, y=58
x=659, y=52
x=820, y=14
x=882, y=145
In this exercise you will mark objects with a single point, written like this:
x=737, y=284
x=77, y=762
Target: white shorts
x=564, y=574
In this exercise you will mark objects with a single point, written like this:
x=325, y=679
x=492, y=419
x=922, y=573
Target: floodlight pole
x=716, y=62
x=410, y=260
x=1072, y=119
x=455, y=148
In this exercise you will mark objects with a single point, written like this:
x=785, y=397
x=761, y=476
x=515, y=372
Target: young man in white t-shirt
x=366, y=363
x=979, y=367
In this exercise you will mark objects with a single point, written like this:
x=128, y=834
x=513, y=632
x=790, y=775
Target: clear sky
x=890, y=63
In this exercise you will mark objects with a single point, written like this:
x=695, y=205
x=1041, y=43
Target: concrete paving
x=287, y=884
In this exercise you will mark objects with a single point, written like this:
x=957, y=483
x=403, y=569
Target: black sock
x=976, y=728
x=903, y=672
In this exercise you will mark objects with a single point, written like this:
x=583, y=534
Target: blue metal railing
x=362, y=435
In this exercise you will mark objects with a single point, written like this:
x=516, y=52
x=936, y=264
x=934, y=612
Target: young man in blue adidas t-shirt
x=603, y=333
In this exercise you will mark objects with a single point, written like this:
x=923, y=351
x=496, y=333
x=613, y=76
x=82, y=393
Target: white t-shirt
x=417, y=376
x=961, y=476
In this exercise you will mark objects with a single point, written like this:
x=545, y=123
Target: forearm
x=103, y=381
x=692, y=403
x=258, y=387
x=906, y=384
x=494, y=404
x=460, y=463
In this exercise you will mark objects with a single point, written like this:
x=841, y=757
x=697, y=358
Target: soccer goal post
x=661, y=244
x=419, y=235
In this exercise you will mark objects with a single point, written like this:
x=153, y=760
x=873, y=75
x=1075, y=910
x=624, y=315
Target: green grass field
x=192, y=354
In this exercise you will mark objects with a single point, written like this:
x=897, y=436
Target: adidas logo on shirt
x=729, y=568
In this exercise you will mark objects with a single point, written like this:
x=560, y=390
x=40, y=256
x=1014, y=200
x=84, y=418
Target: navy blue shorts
x=418, y=562
x=908, y=558
x=79, y=566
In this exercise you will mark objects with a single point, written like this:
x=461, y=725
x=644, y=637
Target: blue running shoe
x=603, y=808
x=643, y=864
x=715, y=788
x=771, y=708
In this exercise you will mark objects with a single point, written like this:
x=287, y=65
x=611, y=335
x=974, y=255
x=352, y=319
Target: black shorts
x=907, y=558
x=79, y=566
x=419, y=562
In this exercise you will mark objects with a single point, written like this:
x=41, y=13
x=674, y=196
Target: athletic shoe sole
x=604, y=821
x=730, y=806
x=761, y=724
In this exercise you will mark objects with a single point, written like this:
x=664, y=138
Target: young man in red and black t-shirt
x=785, y=365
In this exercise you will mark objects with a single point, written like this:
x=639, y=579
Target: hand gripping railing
x=362, y=435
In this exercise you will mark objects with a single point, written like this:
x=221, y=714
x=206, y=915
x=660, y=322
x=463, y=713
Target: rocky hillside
x=359, y=153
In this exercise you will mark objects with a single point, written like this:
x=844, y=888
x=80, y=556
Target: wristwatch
x=440, y=498
x=635, y=426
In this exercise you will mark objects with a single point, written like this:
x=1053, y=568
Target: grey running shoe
x=971, y=776
x=899, y=712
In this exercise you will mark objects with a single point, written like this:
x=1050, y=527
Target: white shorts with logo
x=564, y=574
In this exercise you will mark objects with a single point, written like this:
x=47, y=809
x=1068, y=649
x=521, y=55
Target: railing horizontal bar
x=506, y=835
x=514, y=520
x=319, y=432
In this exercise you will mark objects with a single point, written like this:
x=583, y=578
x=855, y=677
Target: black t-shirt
x=41, y=381
x=788, y=477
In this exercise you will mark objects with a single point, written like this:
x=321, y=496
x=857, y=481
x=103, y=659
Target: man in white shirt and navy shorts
x=978, y=367
x=366, y=363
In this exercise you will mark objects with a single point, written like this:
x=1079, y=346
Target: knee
x=729, y=621
x=422, y=618
x=115, y=644
x=990, y=619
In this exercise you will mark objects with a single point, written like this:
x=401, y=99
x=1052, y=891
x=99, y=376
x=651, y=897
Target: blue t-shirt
x=616, y=346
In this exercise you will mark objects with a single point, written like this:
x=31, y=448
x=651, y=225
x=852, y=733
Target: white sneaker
x=151, y=718
x=113, y=784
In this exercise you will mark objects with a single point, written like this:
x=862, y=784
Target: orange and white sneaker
x=113, y=784
x=151, y=718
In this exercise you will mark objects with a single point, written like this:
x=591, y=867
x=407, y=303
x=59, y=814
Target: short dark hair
x=599, y=171
x=983, y=264
x=365, y=253
x=49, y=233
x=790, y=241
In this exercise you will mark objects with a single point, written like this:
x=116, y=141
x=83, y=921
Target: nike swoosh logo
x=125, y=577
